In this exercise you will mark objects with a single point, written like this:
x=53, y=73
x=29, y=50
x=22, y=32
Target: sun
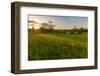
x=30, y=27
x=36, y=27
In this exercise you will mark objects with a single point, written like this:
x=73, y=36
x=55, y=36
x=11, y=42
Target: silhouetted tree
x=33, y=30
x=50, y=21
x=33, y=23
x=74, y=30
x=47, y=27
x=29, y=30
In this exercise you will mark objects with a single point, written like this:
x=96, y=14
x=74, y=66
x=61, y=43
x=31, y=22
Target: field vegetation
x=48, y=43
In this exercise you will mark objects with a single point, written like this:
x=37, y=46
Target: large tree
x=32, y=23
x=47, y=27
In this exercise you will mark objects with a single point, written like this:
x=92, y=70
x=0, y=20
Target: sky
x=60, y=22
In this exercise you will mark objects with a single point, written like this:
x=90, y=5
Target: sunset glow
x=36, y=27
x=61, y=22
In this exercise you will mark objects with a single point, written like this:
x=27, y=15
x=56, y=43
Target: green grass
x=57, y=46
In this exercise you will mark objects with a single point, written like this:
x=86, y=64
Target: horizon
x=60, y=22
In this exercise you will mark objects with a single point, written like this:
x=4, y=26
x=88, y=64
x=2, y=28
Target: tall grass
x=57, y=46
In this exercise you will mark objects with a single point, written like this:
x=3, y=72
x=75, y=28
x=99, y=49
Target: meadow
x=50, y=46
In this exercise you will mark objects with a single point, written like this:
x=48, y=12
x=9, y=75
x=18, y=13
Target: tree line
x=49, y=28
